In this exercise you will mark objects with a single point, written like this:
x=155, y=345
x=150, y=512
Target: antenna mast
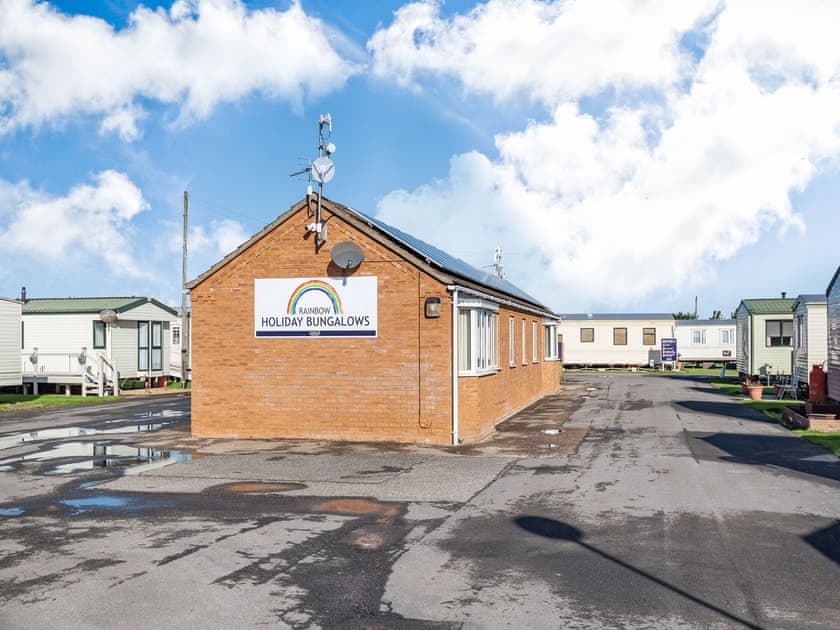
x=321, y=170
x=497, y=263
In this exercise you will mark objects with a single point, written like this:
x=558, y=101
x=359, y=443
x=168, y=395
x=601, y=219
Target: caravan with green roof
x=94, y=342
x=764, y=336
x=10, y=373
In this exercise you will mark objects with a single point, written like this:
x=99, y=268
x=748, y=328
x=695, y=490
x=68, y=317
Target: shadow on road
x=826, y=541
x=558, y=530
x=730, y=409
x=781, y=451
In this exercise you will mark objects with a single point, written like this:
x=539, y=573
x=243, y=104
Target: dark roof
x=768, y=306
x=447, y=262
x=809, y=298
x=833, y=280
x=706, y=322
x=65, y=306
x=615, y=316
x=443, y=266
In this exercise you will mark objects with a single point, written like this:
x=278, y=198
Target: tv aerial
x=347, y=255
x=321, y=170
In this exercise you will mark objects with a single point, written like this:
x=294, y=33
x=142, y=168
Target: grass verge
x=17, y=402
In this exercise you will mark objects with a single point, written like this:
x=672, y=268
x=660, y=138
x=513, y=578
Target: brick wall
x=392, y=387
x=484, y=401
x=395, y=387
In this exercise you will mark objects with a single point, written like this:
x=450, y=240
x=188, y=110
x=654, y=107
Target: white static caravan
x=95, y=341
x=706, y=340
x=614, y=339
x=832, y=298
x=180, y=344
x=764, y=336
x=809, y=337
x=10, y=372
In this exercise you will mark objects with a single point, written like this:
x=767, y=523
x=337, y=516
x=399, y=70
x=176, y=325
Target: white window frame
x=175, y=331
x=701, y=335
x=524, y=353
x=534, y=354
x=483, y=318
x=512, y=340
x=552, y=348
x=727, y=336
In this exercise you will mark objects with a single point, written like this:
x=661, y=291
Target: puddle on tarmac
x=547, y=445
x=552, y=431
x=12, y=511
x=257, y=487
x=96, y=455
x=123, y=503
x=63, y=433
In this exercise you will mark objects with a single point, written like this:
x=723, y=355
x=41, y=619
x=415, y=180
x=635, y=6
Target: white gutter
x=454, y=365
x=517, y=305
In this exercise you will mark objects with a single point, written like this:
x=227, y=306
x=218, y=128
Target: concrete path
x=679, y=509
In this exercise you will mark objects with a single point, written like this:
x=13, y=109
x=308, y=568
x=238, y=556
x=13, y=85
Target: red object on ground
x=817, y=384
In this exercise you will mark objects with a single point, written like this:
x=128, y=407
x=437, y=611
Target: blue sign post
x=668, y=351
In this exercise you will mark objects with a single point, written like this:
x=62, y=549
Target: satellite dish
x=323, y=170
x=108, y=316
x=347, y=255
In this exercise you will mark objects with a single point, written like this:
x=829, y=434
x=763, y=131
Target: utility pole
x=184, y=336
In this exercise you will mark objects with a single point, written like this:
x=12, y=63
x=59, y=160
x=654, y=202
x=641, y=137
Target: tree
x=716, y=315
x=682, y=315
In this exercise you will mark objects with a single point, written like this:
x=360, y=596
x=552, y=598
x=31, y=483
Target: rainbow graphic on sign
x=314, y=285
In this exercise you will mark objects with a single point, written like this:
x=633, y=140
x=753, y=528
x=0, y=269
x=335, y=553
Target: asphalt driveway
x=668, y=505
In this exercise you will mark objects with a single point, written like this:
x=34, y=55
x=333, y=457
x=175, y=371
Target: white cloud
x=201, y=52
x=91, y=222
x=217, y=240
x=607, y=209
x=549, y=51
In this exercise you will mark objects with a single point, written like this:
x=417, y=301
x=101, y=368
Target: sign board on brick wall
x=315, y=307
x=669, y=349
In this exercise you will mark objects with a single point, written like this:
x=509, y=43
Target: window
x=587, y=335
x=157, y=346
x=149, y=346
x=21, y=336
x=142, y=346
x=98, y=334
x=176, y=335
x=534, y=342
x=648, y=336
x=800, y=329
x=698, y=337
x=524, y=360
x=478, y=336
x=552, y=350
x=619, y=336
x=778, y=332
x=727, y=336
x=511, y=353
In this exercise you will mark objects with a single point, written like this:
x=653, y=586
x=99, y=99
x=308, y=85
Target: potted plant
x=752, y=387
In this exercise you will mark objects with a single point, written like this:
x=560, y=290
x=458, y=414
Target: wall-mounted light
x=432, y=307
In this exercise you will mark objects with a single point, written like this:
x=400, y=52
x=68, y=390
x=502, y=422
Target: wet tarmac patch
x=92, y=455
x=255, y=487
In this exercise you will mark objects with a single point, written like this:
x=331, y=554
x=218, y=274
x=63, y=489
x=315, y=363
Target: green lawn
x=28, y=401
x=829, y=441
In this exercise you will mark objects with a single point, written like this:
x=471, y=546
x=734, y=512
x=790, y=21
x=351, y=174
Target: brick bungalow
x=288, y=344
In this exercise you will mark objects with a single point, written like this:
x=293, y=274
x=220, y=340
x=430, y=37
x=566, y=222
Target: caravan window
x=648, y=336
x=619, y=336
x=698, y=337
x=779, y=332
x=587, y=335
x=98, y=334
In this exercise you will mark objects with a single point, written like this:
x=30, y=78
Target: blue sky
x=625, y=158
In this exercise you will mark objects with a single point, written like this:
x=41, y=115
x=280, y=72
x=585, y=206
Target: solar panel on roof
x=448, y=262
